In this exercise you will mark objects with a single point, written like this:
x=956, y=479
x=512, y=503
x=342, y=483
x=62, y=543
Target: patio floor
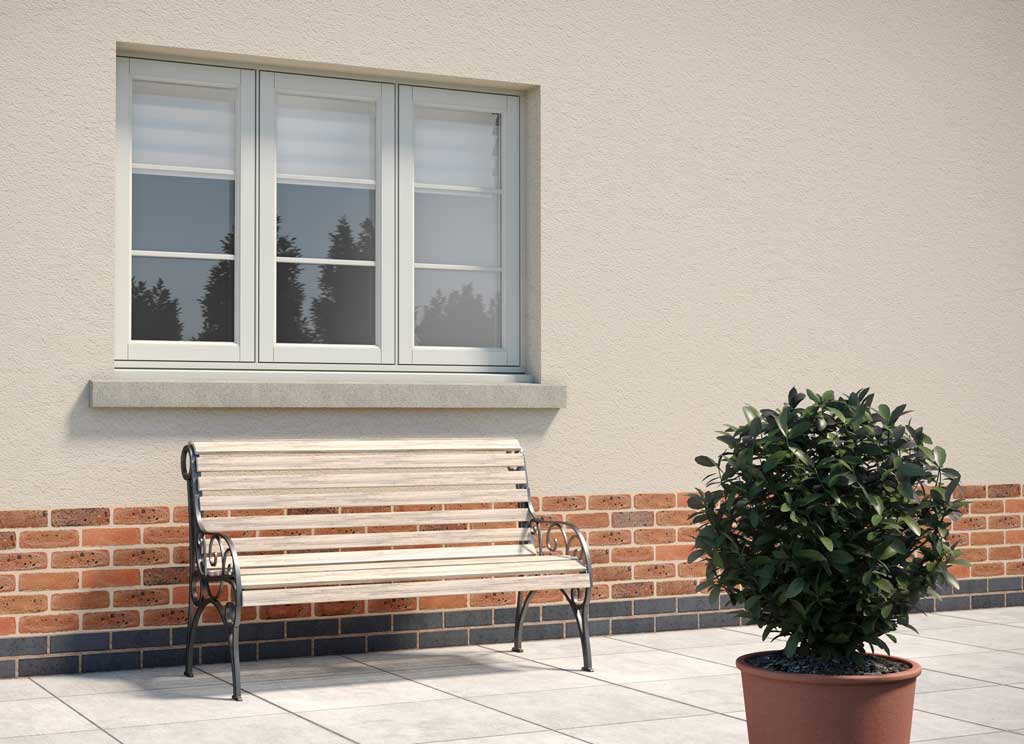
x=647, y=689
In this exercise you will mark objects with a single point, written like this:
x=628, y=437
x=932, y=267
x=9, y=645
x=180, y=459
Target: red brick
x=7, y=583
x=633, y=555
x=1001, y=491
x=180, y=514
x=49, y=538
x=80, y=559
x=674, y=552
x=48, y=623
x=563, y=503
x=142, y=515
x=599, y=555
x=1013, y=506
x=1004, y=522
x=168, y=616
x=686, y=534
x=655, y=536
x=683, y=499
x=163, y=576
x=444, y=602
x=285, y=612
x=17, y=519
x=141, y=556
x=102, y=536
x=697, y=569
x=987, y=506
x=611, y=502
x=988, y=569
x=965, y=524
x=165, y=535
x=1016, y=568
x=590, y=520
x=7, y=540
x=180, y=555
x=331, y=609
x=971, y=492
x=674, y=517
x=633, y=519
x=1015, y=537
x=17, y=604
x=48, y=580
x=613, y=573
x=548, y=596
x=654, y=500
x=95, y=579
x=80, y=601
x=79, y=517
x=8, y=626
x=379, y=606
x=632, y=590
x=655, y=571
x=987, y=538
x=111, y=619
x=675, y=588
x=1005, y=553
x=610, y=537
x=974, y=555
x=492, y=599
x=600, y=592
x=141, y=597
x=22, y=561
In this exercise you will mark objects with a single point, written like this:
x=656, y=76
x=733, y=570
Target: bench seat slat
x=366, y=519
x=355, y=445
x=397, y=589
x=249, y=462
x=380, y=539
x=297, y=560
x=344, y=565
x=359, y=478
x=335, y=498
x=528, y=566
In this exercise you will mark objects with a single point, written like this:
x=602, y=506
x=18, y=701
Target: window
x=284, y=221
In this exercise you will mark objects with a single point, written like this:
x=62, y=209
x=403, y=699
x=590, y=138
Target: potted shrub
x=826, y=521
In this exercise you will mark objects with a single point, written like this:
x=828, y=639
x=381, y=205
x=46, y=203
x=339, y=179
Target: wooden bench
x=351, y=520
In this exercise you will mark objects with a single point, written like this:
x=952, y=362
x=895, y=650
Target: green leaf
x=801, y=456
x=841, y=557
x=705, y=461
x=811, y=555
x=791, y=646
x=751, y=413
x=827, y=542
x=911, y=470
x=887, y=553
x=940, y=456
x=912, y=524
x=795, y=587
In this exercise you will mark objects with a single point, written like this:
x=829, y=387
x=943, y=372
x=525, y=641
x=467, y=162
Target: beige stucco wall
x=732, y=198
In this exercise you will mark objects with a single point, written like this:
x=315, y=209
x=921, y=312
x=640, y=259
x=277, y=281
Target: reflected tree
x=343, y=313
x=218, y=300
x=461, y=318
x=292, y=324
x=156, y=316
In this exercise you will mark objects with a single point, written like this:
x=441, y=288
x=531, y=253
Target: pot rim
x=907, y=675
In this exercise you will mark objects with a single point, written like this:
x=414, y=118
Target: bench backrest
x=303, y=495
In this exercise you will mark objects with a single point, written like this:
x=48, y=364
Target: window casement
x=287, y=221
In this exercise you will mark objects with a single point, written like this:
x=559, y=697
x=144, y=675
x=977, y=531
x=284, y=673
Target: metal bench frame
x=215, y=574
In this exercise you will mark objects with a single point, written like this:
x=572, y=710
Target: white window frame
x=508, y=108
x=244, y=82
x=255, y=347
x=382, y=96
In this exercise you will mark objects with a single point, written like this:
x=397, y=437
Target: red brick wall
x=65, y=570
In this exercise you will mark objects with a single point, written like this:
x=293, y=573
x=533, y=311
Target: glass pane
x=170, y=213
x=458, y=308
x=326, y=304
x=183, y=125
x=458, y=228
x=458, y=148
x=325, y=137
x=183, y=299
x=325, y=222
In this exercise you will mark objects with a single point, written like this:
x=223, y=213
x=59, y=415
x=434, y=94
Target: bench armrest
x=552, y=536
x=216, y=558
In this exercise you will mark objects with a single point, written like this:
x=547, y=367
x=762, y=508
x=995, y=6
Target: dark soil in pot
x=855, y=666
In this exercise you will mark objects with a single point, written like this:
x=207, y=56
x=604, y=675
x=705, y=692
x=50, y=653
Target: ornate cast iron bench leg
x=522, y=602
x=581, y=613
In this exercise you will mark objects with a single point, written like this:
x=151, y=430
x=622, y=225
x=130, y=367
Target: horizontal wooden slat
x=446, y=560
x=365, y=519
x=261, y=597
x=253, y=462
x=358, y=478
x=379, y=539
x=290, y=499
x=404, y=572
x=353, y=445
x=296, y=561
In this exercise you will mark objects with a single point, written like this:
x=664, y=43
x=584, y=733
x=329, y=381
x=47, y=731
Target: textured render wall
x=727, y=200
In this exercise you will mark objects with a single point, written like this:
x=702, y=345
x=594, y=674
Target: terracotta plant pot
x=784, y=708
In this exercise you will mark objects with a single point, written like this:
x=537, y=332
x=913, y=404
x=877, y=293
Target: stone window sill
x=206, y=394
